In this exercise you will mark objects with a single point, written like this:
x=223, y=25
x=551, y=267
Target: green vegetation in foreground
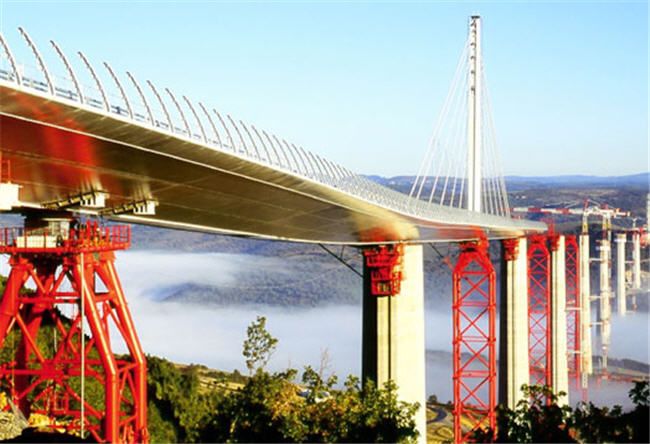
x=533, y=420
x=195, y=404
x=271, y=407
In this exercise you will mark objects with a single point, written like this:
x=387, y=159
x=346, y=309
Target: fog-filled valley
x=192, y=295
x=195, y=330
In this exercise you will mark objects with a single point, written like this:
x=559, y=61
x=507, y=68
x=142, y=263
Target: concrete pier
x=585, y=304
x=513, y=329
x=621, y=300
x=636, y=260
x=559, y=361
x=393, y=335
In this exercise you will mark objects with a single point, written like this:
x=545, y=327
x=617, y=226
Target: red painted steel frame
x=385, y=265
x=474, y=340
x=539, y=310
x=573, y=306
x=43, y=374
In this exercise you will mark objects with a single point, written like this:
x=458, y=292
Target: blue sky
x=362, y=83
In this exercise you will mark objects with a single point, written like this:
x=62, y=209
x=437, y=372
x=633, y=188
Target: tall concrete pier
x=636, y=260
x=621, y=239
x=393, y=335
x=513, y=341
x=605, y=298
x=636, y=265
x=585, y=304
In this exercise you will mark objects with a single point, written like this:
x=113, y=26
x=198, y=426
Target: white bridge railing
x=151, y=108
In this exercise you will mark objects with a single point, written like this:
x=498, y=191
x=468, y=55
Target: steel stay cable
x=428, y=158
x=447, y=145
x=486, y=185
x=461, y=163
x=459, y=143
x=489, y=174
x=490, y=142
x=450, y=139
x=442, y=140
x=497, y=156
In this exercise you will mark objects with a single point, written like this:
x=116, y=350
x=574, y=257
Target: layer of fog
x=630, y=337
x=190, y=333
x=213, y=336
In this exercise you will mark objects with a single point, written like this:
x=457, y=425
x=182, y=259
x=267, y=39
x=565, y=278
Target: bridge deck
x=59, y=147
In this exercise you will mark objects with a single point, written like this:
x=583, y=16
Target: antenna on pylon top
x=474, y=124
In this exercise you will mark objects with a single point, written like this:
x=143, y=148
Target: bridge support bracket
x=90, y=200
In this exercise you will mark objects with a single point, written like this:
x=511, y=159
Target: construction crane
x=590, y=208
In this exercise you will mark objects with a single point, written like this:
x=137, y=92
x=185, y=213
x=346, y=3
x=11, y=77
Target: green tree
x=604, y=424
x=259, y=345
x=536, y=418
x=178, y=410
x=265, y=409
x=356, y=413
x=270, y=407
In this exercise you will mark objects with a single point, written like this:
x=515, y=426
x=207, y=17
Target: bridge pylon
x=61, y=310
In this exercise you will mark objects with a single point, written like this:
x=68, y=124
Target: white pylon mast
x=474, y=126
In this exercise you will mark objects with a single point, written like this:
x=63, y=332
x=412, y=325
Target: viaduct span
x=73, y=153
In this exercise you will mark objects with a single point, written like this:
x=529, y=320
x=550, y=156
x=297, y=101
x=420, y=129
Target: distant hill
x=515, y=182
x=311, y=277
x=633, y=180
x=626, y=192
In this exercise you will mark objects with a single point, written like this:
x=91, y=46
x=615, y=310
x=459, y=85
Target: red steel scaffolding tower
x=539, y=311
x=573, y=307
x=474, y=340
x=64, y=279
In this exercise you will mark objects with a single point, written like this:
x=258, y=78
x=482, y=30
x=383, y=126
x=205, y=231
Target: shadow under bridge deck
x=58, y=147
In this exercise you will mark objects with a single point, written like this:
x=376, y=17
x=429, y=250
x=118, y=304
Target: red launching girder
x=474, y=340
x=573, y=306
x=44, y=372
x=539, y=310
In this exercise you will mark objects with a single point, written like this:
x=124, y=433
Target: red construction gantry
x=55, y=271
x=474, y=340
x=573, y=307
x=539, y=310
x=385, y=265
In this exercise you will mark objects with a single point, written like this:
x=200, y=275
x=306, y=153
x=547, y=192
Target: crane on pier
x=590, y=208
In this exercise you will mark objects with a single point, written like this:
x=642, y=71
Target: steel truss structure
x=573, y=307
x=539, y=310
x=62, y=307
x=474, y=340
